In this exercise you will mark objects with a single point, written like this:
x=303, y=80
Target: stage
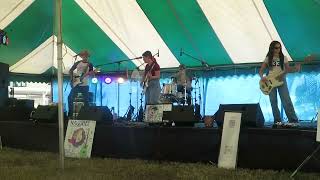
x=259, y=148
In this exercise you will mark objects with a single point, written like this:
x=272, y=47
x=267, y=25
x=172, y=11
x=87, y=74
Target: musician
x=79, y=79
x=151, y=77
x=184, y=80
x=276, y=62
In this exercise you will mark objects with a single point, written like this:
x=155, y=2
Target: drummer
x=183, y=81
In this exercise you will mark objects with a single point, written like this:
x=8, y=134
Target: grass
x=19, y=164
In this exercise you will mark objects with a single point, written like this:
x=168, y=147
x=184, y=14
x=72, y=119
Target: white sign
x=229, y=140
x=318, y=127
x=79, y=138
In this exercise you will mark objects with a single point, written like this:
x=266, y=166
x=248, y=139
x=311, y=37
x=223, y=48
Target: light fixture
x=120, y=80
x=107, y=80
x=94, y=80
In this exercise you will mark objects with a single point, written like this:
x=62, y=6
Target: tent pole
x=58, y=16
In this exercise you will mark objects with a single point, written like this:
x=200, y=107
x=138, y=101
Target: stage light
x=107, y=80
x=94, y=80
x=120, y=80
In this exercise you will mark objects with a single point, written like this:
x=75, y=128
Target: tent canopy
x=215, y=31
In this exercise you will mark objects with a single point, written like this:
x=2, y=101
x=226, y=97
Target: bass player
x=277, y=63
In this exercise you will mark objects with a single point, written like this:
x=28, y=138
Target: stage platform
x=259, y=148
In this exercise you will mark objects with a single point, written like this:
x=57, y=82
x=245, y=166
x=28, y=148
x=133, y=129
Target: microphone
x=158, y=53
x=181, y=52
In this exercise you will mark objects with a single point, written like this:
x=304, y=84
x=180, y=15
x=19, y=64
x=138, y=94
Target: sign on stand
x=79, y=138
x=229, y=141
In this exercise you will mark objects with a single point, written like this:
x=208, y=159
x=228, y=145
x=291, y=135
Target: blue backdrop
x=236, y=89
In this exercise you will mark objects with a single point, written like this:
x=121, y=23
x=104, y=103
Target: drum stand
x=196, y=105
x=130, y=111
x=140, y=112
x=185, y=95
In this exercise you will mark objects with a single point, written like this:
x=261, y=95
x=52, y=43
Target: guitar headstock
x=97, y=70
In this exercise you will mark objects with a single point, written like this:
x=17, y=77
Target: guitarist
x=151, y=79
x=276, y=63
x=79, y=79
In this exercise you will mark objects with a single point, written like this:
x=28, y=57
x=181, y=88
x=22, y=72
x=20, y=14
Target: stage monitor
x=251, y=114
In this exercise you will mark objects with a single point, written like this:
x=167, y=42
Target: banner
x=229, y=140
x=79, y=138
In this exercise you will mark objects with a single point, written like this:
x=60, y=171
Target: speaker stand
x=305, y=161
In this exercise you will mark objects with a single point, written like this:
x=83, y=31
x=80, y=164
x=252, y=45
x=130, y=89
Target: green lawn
x=19, y=164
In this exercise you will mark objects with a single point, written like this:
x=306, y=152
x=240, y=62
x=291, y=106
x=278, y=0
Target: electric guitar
x=78, y=79
x=145, y=82
x=276, y=79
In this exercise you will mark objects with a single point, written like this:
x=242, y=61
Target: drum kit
x=174, y=93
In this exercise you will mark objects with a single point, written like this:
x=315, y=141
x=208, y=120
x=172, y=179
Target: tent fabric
x=228, y=32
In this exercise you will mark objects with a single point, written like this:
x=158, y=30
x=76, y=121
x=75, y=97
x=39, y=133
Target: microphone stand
x=118, y=86
x=203, y=63
x=119, y=62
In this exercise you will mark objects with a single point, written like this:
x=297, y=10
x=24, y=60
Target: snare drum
x=169, y=88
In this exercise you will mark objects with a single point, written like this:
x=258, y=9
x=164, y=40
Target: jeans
x=152, y=94
x=84, y=90
x=286, y=102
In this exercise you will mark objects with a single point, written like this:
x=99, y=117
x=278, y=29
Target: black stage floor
x=263, y=148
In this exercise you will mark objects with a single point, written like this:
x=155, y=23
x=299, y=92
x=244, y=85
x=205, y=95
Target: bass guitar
x=274, y=80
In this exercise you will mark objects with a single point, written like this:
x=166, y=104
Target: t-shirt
x=82, y=68
x=155, y=68
x=183, y=77
x=276, y=66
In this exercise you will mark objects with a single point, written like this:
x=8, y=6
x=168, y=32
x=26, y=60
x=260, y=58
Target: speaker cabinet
x=4, y=73
x=47, y=114
x=251, y=114
x=180, y=115
x=101, y=114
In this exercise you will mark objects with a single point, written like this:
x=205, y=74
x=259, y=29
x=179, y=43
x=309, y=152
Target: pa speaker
x=180, y=115
x=4, y=74
x=47, y=114
x=101, y=114
x=251, y=114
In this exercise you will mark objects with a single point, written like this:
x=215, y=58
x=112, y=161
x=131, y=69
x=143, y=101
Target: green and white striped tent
x=221, y=32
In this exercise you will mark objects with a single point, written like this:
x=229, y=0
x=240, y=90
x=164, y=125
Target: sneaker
x=292, y=124
x=277, y=124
